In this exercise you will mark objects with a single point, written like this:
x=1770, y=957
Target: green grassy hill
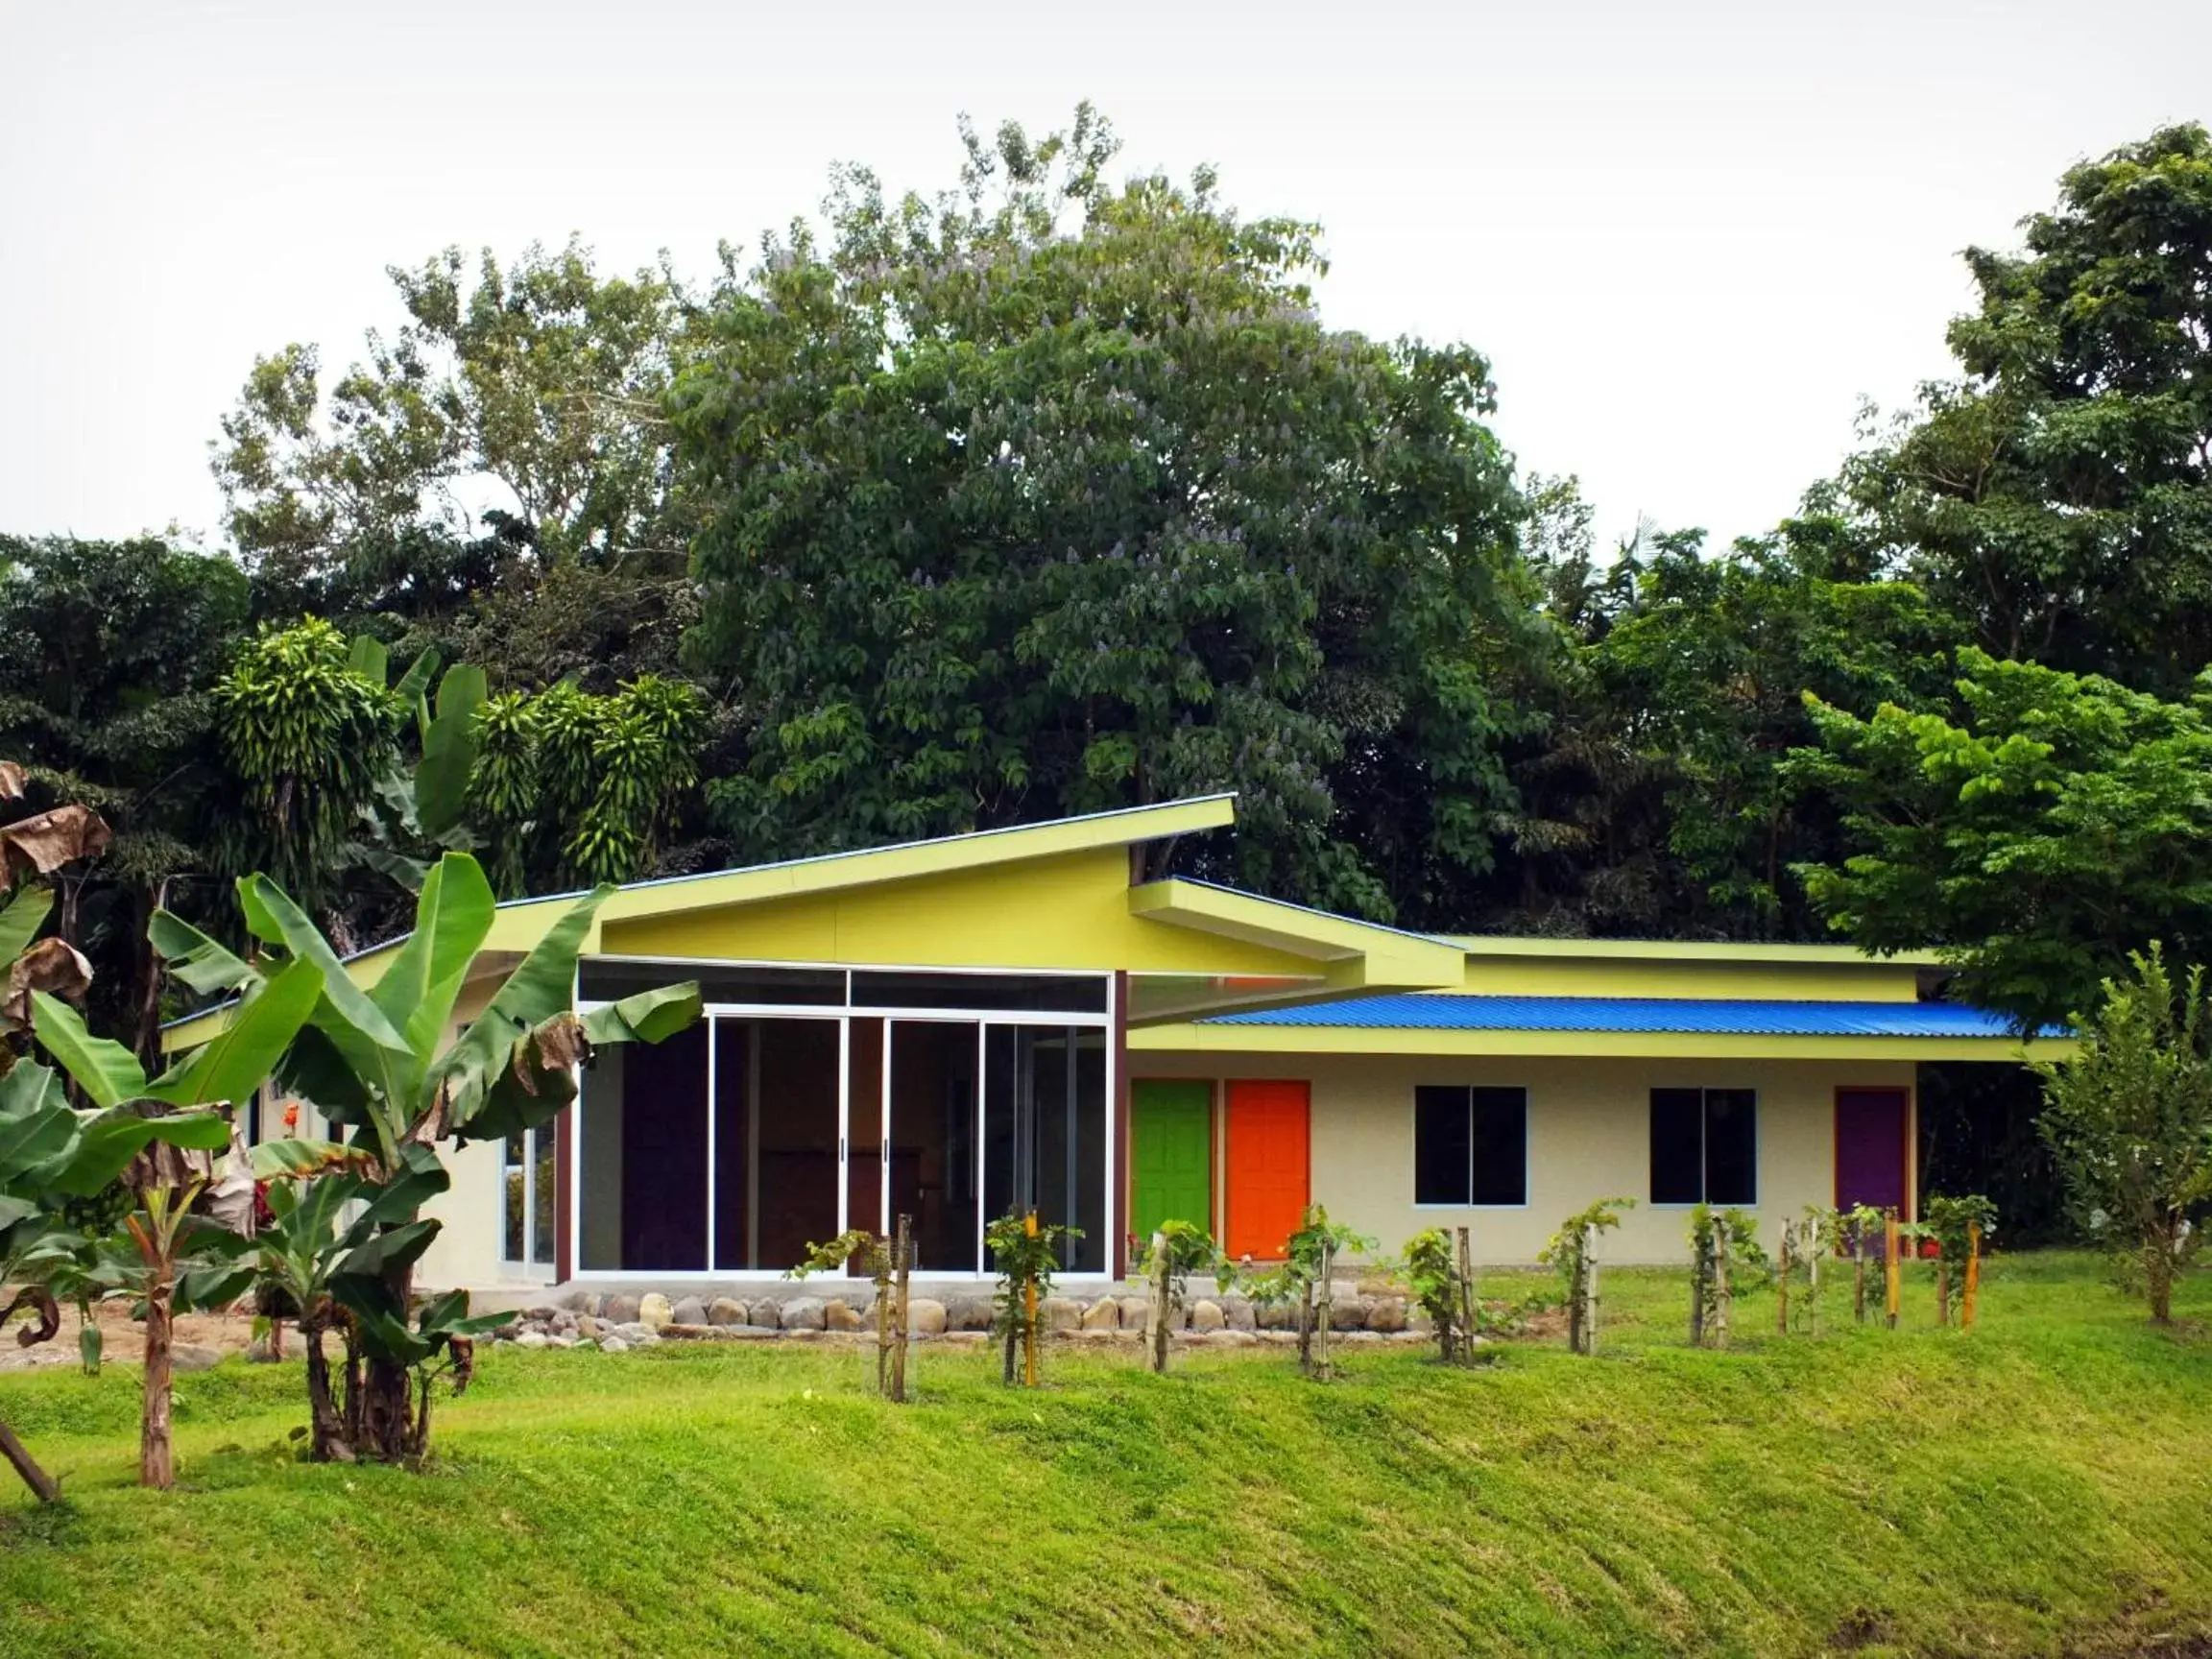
x=2043, y=1485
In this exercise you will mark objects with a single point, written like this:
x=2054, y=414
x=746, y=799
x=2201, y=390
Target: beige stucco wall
x=1588, y=1138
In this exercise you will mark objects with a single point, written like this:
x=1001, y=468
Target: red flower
x=292, y=1117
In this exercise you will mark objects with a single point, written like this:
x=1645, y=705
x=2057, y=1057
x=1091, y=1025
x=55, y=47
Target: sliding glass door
x=766, y=1128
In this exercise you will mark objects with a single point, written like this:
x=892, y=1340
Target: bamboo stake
x=903, y=1259
x=1894, y=1268
x=1973, y=1276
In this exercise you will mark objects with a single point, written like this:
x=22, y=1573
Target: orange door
x=1267, y=1168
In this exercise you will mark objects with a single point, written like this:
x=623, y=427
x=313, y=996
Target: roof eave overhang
x=1351, y=958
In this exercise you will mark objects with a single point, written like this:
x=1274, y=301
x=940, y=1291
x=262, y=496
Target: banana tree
x=377, y=1062
x=51, y=1155
x=163, y=1235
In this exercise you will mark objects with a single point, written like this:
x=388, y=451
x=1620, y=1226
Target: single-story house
x=954, y=1028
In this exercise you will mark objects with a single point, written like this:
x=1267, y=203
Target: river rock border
x=619, y=1322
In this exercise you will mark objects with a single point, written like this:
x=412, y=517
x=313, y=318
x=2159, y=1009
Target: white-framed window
x=526, y=1191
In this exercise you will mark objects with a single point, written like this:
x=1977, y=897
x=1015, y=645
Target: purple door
x=1870, y=1129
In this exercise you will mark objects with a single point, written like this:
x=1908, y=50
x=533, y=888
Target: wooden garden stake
x=1700, y=1278
x=1859, y=1274
x=903, y=1259
x=1815, y=1250
x=1973, y=1276
x=1321, y=1370
x=1782, y=1286
x=1466, y=1294
x=1029, y=1313
x=1589, y=1289
x=1895, y=1268
x=1720, y=1283
x=884, y=1282
x=1158, y=1333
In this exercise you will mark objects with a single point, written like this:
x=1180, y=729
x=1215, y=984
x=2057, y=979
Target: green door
x=1174, y=1155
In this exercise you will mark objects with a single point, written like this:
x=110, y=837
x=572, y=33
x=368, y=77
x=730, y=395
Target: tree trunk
x=1029, y=1315
x=156, y=1462
x=327, y=1441
x=2158, y=1278
x=40, y=1483
x=1466, y=1298
x=1942, y=1290
x=1859, y=1276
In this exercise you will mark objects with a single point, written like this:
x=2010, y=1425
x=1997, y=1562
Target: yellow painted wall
x=1068, y=912
x=1588, y=1139
x=1555, y=975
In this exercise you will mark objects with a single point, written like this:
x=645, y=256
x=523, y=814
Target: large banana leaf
x=22, y=918
x=645, y=1017
x=306, y=1160
x=196, y=959
x=389, y=1248
x=452, y=915
x=233, y=1063
x=379, y=1055
x=35, y=1124
x=108, y=1072
x=539, y=989
x=111, y=1139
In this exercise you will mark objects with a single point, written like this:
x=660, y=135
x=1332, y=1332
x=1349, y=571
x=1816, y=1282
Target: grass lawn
x=2043, y=1485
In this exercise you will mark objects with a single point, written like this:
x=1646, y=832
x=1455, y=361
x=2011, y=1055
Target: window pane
x=542, y=1244
x=1442, y=1144
x=1500, y=1137
x=510, y=1161
x=1677, y=1145
x=1731, y=1147
x=1046, y=993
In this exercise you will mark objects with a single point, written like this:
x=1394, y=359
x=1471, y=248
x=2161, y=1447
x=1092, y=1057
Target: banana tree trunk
x=328, y=1441
x=388, y=1424
x=156, y=1455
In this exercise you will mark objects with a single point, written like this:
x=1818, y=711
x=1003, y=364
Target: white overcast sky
x=1690, y=237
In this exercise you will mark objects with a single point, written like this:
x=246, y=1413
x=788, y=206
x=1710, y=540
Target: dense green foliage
x=1053, y=491
x=1785, y=1497
x=1048, y=497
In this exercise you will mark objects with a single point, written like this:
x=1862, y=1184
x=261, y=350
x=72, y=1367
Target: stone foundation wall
x=621, y=1321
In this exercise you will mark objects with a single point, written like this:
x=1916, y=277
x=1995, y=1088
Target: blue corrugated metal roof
x=1453, y=1011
